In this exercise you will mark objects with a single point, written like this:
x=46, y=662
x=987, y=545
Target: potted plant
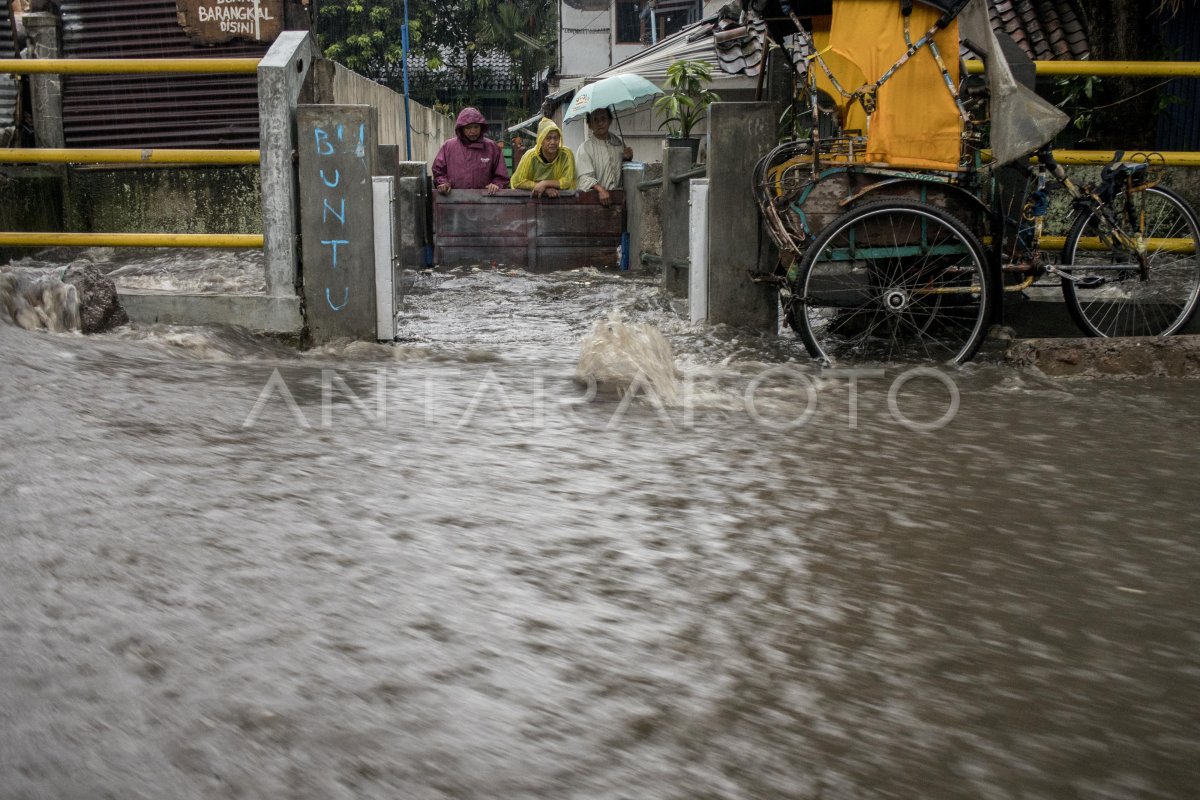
x=686, y=101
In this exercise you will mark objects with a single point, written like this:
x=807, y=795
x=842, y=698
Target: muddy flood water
x=445, y=568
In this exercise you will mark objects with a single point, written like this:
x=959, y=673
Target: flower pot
x=691, y=142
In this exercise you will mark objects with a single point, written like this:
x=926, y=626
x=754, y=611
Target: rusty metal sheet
x=149, y=111
x=552, y=258
x=219, y=21
x=585, y=216
x=513, y=229
x=9, y=87
x=452, y=255
x=472, y=214
x=471, y=228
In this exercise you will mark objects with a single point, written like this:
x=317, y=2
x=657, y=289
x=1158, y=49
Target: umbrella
x=617, y=92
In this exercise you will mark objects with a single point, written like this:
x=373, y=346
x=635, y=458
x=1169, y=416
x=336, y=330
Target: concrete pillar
x=387, y=159
x=45, y=90
x=676, y=161
x=336, y=154
x=631, y=176
x=413, y=202
x=739, y=134
x=411, y=221
x=281, y=76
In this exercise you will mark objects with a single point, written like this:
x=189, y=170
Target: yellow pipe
x=111, y=66
x=1022, y=286
x=129, y=66
x=46, y=155
x=230, y=240
x=1172, y=158
x=1125, y=69
x=1093, y=243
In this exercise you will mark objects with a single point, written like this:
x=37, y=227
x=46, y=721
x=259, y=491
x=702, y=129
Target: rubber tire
x=799, y=318
x=1075, y=304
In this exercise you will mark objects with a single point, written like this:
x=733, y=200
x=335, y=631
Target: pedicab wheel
x=893, y=281
x=1105, y=289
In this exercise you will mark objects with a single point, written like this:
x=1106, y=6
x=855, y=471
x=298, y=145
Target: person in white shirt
x=598, y=161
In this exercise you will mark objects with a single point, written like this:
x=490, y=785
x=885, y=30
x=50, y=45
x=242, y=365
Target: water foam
x=617, y=356
x=40, y=302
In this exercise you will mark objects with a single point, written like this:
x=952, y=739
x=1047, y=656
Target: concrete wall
x=1184, y=180
x=164, y=200
x=337, y=220
x=649, y=240
x=30, y=200
x=429, y=128
x=584, y=39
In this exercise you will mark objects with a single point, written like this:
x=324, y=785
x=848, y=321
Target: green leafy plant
x=1078, y=97
x=687, y=99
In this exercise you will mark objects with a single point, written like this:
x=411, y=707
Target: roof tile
x=1044, y=29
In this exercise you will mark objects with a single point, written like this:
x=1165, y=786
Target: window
x=629, y=26
x=648, y=21
x=673, y=16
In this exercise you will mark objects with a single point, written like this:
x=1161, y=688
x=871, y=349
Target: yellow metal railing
x=1172, y=158
x=47, y=155
x=129, y=66
x=1185, y=246
x=51, y=239
x=1124, y=69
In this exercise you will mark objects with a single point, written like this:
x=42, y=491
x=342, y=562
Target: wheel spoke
x=1116, y=302
x=893, y=280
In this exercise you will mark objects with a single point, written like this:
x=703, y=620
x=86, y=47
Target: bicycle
x=1129, y=263
x=890, y=254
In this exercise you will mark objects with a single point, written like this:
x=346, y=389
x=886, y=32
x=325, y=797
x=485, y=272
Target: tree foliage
x=1124, y=108
x=365, y=35
x=526, y=31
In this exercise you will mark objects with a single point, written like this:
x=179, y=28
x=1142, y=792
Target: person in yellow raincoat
x=549, y=166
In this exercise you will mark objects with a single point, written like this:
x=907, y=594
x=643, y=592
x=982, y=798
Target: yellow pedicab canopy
x=916, y=124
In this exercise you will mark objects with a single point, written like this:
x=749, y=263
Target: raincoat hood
x=544, y=128
x=464, y=164
x=469, y=116
x=534, y=168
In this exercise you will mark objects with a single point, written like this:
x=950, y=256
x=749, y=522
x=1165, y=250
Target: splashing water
x=456, y=588
x=40, y=301
x=618, y=358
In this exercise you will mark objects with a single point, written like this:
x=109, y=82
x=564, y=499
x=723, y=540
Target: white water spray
x=40, y=302
x=615, y=355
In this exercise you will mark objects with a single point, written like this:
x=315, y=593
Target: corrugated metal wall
x=8, y=84
x=1179, y=124
x=204, y=111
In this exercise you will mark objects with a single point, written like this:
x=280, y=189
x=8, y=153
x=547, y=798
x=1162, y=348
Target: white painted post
x=698, y=236
x=383, y=192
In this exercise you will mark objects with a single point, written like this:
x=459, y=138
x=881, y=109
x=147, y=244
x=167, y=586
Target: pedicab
x=899, y=220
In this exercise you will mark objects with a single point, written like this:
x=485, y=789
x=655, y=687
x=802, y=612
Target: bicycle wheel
x=1105, y=288
x=893, y=281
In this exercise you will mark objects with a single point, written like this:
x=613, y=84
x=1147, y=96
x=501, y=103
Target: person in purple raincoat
x=470, y=160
